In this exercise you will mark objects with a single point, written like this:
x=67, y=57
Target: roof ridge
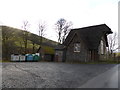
x=89, y=26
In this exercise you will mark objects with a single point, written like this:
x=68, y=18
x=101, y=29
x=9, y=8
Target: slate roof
x=91, y=35
x=59, y=47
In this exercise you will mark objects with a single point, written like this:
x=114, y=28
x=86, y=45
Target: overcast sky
x=81, y=12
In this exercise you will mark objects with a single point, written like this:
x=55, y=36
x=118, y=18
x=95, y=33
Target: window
x=102, y=47
x=77, y=47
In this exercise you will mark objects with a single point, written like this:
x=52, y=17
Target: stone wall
x=72, y=56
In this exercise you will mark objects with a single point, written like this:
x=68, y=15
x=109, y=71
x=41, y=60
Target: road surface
x=57, y=75
x=108, y=79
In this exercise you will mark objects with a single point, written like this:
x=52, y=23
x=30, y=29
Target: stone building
x=86, y=44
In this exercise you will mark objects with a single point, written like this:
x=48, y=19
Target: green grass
x=17, y=41
x=117, y=54
x=48, y=50
x=4, y=61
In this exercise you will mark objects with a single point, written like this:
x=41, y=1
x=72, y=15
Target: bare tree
x=112, y=41
x=63, y=28
x=7, y=37
x=25, y=34
x=41, y=30
x=66, y=30
x=33, y=42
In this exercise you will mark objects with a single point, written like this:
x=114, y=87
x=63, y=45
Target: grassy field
x=13, y=43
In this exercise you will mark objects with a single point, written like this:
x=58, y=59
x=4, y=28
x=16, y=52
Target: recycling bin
x=22, y=57
x=37, y=54
x=29, y=57
x=12, y=57
x=36, y=58
x=15, y=57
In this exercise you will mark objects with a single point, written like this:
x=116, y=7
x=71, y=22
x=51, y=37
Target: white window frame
x=102, y=47
x=77, y=46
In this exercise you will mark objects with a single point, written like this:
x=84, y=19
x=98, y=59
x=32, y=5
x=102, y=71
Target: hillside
x=12, y=42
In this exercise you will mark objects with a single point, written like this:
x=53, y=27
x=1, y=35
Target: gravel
x=49, y=74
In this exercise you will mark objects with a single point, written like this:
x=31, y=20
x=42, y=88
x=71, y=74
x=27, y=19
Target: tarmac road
x=119, y=76
x=52, y=75
x=108, y=79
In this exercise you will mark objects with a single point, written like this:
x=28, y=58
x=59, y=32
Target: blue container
x=29, y=57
